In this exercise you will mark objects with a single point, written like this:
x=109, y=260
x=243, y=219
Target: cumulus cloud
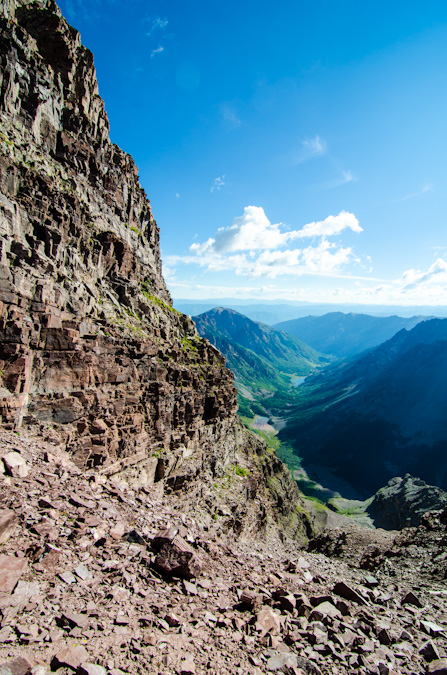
x=436, y=274
x=250, y=232
x=253, y=231
x=254, y=247
x=330, y=226
x=413, y=287
x=326, y=259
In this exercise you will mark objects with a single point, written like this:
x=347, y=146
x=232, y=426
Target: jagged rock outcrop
x=403, y=502
x=92, y=354
x=83, y=298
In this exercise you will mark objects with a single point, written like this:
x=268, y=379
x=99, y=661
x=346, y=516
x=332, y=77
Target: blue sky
x=290, y=150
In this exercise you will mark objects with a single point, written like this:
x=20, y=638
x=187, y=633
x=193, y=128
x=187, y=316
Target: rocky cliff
x=92, y=354
x=404, y=501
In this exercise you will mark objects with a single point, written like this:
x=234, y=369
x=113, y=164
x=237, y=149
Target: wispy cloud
x=414, y=287
x=229, y=117
x=310, y=148
x=342, y=178
x=218, y=184
x=156, y=51
x=157, y=27
x=426, y=189
x=156, y=24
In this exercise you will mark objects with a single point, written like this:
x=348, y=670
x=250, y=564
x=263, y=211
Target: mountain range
x=263, y=359
x=273, y=312
x=343, y=334
x=379, y=415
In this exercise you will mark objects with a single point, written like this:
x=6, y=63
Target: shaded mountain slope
x=380, y=415
x=346, y=334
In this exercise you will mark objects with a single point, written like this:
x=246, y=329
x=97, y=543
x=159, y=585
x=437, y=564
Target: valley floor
x=82, y=587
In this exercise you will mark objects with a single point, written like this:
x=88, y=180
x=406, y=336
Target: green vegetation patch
x=158, y=301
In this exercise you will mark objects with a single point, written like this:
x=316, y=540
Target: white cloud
x=218, y=184
x=253, y=231
x=326, y=259
x=249, y=232
x=230, y=118
x=310, y=147
x=254, y=247
x=342, y=178
x=157, y=24
x=156, y=51
x=436, y=274
x=330, y=226
x=428, y=187
x=201, y=249
x=413, y=287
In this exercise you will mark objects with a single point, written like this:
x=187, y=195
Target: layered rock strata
x=92, y=354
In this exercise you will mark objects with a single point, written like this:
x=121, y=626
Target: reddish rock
x=411, y=599
x=117, y=531
x=11, y=569
x=70, y=657
x=268, y=621
x=429, y=651
x=327, y=609
x=18, y=666
x=15, y=465
x=91, y=669
x=287, y=602
x=8, y=523
x=175, y=557
x=187, y=667
x=437, y=667
x=347, y=592
x=173, y=620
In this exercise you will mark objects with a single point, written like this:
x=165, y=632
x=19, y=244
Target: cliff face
x=89, y=339
x=92, y=354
